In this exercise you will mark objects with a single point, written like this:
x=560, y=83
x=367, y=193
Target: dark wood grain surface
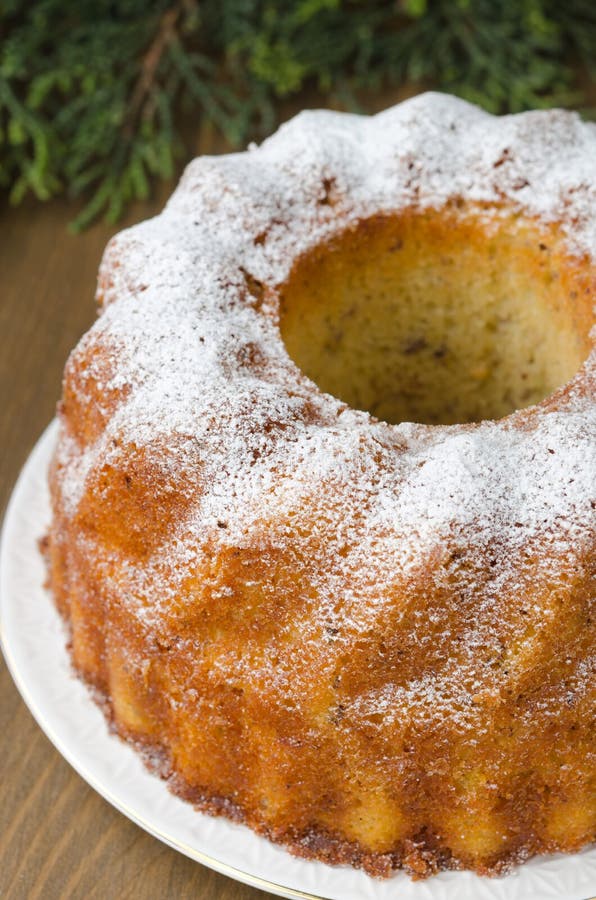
x=58, y=838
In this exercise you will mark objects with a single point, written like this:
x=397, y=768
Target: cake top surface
x=204, y=384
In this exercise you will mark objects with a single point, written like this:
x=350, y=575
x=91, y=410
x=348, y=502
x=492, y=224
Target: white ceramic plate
x=33, y=641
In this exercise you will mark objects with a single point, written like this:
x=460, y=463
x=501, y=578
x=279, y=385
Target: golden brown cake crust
x=373, y=643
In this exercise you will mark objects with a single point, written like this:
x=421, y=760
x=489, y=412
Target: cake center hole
x=439, y=317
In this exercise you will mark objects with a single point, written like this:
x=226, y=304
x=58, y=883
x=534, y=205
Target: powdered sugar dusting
x=202, y=370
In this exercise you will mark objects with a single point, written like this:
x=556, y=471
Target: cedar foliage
x=93, y=92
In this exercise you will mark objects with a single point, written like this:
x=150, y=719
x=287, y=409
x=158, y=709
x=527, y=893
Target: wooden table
x=58, y=838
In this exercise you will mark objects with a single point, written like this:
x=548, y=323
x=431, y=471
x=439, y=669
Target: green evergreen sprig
x=94, y=95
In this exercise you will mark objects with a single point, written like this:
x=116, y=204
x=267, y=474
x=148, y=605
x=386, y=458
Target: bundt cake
x=323, y=496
